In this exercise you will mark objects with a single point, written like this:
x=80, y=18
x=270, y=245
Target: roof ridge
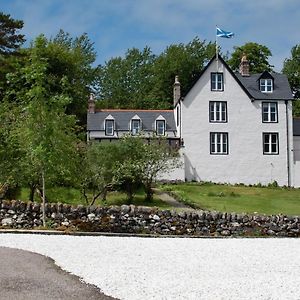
x=134, y=110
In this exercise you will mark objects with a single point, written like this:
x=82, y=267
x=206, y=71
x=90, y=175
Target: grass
x=73, y=196
x=239, y=199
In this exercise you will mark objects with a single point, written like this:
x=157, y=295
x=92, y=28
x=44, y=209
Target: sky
x=117, y=25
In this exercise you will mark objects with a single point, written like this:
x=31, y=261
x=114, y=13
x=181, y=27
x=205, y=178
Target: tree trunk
x=44, y=199
x=32, y=190
x=149, y=192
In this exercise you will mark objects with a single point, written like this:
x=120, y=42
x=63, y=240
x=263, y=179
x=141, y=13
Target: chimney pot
x=91, y=104
x=176, y=90
x=244, y=66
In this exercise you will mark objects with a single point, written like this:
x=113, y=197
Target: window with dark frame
x=270, y=143
x=218, y=111
x=135, y=126
x=269, y=112
x=217, y=83
x=160, y=127
x=219, y=143
x=266, y=85
x=109, y=127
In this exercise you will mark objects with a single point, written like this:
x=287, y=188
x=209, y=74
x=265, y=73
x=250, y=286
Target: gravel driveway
x=175, y=268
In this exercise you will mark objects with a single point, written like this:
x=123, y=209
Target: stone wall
x=140, y=219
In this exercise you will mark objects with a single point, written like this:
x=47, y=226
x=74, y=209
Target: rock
x=125, y=209
x=225, y=232
x=91, y=217
x=270, y=232
x=155, y=217
x=65, y=223
x=11, y=212
x=7, y=222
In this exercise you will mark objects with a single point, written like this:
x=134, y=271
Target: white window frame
x=109, y=130
x=217, y=81
x=218, y=111
x=135, y=129
x=163, y=128
x=269, y=112
x=219, y=143
x=266, y=85
x=270, y=147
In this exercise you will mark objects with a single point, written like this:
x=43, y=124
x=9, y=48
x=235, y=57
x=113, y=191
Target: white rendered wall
x=296, y=169
x=245, y=162
x=175, y=174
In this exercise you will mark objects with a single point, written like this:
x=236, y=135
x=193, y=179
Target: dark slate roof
x=296, y=126
x=123, y=117
x=281, y=87
x=250, y=84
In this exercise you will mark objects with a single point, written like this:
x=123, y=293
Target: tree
x=127, y=164
x=96, y=173
x=143, y=80
x=69, y=71
x=186, y=61
x=45, y=133
x=10, y=154
x=10, y=42
x=126, y=82
x=257, y=55
x=291, y=67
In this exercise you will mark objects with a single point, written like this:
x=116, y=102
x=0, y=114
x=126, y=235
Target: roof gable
x=222, y=61
x=249, y=84
x=266, y=75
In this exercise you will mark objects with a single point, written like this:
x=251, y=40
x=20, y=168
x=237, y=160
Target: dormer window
x=109, y=127
x=217, y=82
x=135, y=126
x=160, y=127
x=266, y=85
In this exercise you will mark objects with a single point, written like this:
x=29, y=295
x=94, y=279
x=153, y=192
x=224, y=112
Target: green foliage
x=257, y=55
x=126, y=165
x=68, y=66
x=39, y=137
x=10, y=40
x=144, y=80
x=126, y=82
x=186, y=61
x=291, y=68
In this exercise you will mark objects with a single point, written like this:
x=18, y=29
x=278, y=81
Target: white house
x=233, y=127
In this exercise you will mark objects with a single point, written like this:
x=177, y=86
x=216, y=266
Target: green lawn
x=73, y=196
x=238, y=199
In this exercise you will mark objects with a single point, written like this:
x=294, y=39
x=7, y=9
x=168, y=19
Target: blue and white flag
x=224, y=34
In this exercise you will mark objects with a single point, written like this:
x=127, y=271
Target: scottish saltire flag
x=224, y=34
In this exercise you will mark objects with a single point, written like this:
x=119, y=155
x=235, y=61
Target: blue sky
x=116, y=25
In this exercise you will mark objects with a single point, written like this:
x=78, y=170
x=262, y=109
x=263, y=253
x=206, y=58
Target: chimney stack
x=244, y=66
x=91, y=104
x=176, y=90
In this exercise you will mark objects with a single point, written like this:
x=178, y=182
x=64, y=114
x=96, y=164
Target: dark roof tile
x=122, y=118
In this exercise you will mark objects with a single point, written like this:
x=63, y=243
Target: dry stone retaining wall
x=140, y=219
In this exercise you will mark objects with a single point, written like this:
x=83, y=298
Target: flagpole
x=217, y=54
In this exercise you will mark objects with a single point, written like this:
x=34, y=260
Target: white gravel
x=175, y=268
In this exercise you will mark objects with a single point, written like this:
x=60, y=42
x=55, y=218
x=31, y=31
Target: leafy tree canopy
x=257, y=55
x=10, y=39
x=68, y=67
x=144, y=80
